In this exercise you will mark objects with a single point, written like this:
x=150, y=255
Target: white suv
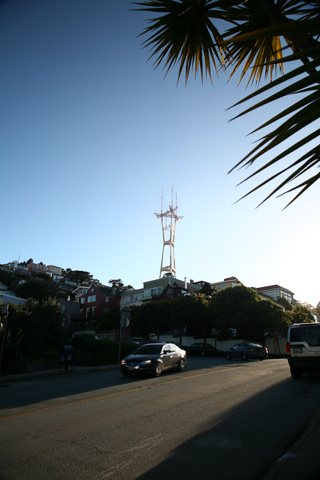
x=303, y=348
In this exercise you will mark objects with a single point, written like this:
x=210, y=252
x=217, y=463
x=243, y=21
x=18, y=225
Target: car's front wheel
x=157, y=370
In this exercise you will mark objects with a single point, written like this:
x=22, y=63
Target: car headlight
x=146, y=362
x=123, y=362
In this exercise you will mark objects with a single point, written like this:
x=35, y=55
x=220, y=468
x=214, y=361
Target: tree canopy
x=302, y=314
x=237, y=312
x=37, y=324
x=80, y=277
x=256, y=38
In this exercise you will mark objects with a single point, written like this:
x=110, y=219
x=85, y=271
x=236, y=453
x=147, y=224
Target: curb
x=295, y=454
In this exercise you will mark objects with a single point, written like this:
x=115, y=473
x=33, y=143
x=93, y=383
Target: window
x=310, y=335
x=92, y=298
x=106, y=299
x=82, y=300
x=156, y=291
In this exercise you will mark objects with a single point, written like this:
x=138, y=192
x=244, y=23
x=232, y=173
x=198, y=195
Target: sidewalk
x=54, y=372
x=299, y=462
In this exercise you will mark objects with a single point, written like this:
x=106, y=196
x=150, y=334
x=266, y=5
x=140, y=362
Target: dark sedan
x=203, y=349
x=246, y=351
x=154, y=358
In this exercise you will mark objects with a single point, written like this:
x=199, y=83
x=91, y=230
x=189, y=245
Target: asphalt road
x=217, y=419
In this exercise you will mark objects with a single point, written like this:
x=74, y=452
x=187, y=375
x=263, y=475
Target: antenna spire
x=168, y=235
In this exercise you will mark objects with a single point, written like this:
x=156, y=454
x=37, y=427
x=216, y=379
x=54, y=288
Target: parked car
x=138, y=340
x=154, y=358
x=246, y=351
x=203, y=349
x=303, y=348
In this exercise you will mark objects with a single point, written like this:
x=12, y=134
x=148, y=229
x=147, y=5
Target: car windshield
x=149, y=350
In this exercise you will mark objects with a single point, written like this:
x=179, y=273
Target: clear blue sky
x=90, y=137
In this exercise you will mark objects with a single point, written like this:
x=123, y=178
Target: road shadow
x=52, y=385
x=234, y=448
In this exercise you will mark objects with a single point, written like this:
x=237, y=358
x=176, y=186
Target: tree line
x=237, y=312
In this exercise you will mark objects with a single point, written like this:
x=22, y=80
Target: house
x=155, y=288
x=131, y=298
x=64, y=285
x=173, y=291
x=37, y=268
x=70, y=310
x=79, y=292
x=97, y=301
x=54, y=270
x=227, y=282
x=275, y=292
x=6, y=296
x=15, y=266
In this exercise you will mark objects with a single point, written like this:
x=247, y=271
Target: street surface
x=216, y=420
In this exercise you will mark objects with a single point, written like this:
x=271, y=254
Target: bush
x=89, y=351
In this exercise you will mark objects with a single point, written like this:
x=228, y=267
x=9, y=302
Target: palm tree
x=259, y=38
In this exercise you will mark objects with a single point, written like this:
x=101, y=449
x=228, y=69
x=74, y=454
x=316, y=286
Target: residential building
x=97, y=301
x=54, y=270
x=70, y=310
x=153, y=289
x=227, y=282
x=65, y=285
x=15, y=266
x=131, y=298
x=37, y=268
x=79, y=292
x=6, y=296
x=275, y=292
x=173, y=291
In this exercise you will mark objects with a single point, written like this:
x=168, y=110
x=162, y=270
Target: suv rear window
x=310, y=335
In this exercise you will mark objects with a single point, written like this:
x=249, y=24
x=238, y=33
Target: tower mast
x=168, y=222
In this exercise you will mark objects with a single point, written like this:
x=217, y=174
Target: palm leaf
x=183, y=33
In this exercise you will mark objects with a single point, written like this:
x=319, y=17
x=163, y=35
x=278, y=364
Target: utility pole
x=5, y=312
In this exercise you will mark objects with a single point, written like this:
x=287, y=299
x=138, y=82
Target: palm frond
x=262, y=38
x=295, y=118
x=184, y=34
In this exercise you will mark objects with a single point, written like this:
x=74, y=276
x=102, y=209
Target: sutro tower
x=168, y=234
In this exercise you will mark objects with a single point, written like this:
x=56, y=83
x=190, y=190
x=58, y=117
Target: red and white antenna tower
x=168, y=235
